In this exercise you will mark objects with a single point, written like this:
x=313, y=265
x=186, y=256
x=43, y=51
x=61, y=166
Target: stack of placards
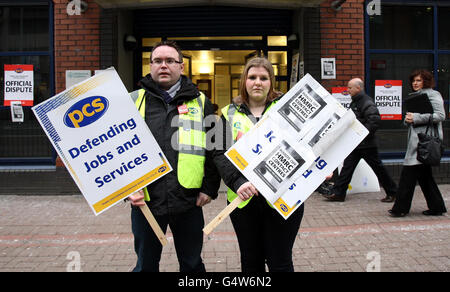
x=300, y=141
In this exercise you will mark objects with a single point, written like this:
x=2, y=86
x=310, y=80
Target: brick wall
x=342, y=37
x=77, y=41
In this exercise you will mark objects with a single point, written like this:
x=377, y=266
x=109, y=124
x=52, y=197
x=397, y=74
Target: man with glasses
x=174, y=110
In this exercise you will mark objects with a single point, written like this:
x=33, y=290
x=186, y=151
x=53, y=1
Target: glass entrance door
x=216, y=68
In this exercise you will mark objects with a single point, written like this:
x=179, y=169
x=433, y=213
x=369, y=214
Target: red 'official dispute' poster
x=18, y=84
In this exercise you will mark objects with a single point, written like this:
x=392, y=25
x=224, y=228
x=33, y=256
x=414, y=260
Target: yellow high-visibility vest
x=191, y=141
x=240, y=124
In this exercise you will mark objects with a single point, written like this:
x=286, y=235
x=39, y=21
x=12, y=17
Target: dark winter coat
x=367, y=113
x=167, y=196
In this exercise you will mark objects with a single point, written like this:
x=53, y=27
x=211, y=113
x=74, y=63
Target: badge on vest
x=239, y=135
x=182, y=109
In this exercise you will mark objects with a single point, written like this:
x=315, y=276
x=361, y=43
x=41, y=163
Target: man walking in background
x=367, y=113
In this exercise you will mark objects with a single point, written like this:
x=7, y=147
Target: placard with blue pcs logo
x=102, y=140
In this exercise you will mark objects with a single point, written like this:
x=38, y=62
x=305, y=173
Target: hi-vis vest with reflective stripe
x=240, y=124
x=191, y=141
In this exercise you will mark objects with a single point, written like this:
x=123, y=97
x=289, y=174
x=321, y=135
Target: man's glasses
x=169, y=61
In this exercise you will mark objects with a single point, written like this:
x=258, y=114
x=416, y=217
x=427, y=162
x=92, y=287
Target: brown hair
x=171, y=44
x=427, y=77
x=258, y=62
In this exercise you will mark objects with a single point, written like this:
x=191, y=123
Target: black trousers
x=372, y=158
x=187, y=234
x=265, y=236
x=424, y=176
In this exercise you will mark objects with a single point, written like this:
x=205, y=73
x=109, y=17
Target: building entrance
x=216, y=69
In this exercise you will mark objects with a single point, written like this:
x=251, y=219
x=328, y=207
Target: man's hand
x=137, y=199
x=203, y=199
x=246, y=191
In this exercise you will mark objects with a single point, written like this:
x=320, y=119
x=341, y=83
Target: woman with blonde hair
x=264, y=236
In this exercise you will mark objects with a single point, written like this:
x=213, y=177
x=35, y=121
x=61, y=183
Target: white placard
x=301, y=69
x=299, y=142
x=294, y=71
x=328, y=66
x=102, y=140
x=19, y=84
x=364, y=179
x=342, y=95
x=16, y=112
x=388, y=99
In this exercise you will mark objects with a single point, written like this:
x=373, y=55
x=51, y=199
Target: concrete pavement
x=60, y=233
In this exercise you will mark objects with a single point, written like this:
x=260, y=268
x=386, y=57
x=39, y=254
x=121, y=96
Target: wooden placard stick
x=222, y=215
x=153, y=224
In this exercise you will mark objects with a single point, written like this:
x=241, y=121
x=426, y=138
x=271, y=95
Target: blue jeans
x=187, y=234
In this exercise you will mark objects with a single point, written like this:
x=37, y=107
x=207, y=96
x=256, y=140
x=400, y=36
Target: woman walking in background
x=413, y=171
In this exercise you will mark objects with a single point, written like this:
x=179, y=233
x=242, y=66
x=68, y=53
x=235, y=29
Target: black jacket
x=167, y=196
x=367, y=113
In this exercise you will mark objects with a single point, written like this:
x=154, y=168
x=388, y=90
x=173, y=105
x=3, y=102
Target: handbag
x=430, y=148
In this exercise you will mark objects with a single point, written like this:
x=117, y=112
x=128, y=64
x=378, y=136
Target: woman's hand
x=409, y=118
x=246, y=191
